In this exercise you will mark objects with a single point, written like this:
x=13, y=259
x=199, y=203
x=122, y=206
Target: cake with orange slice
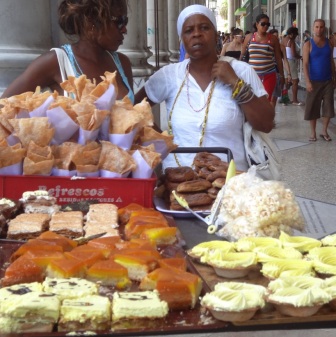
x=66, y=267
x=124, y=213
x=88, y=257
x=180, y=289
x=160, y=236
x=43, y=257
x=36, y=245
x=109, y=273
x=138, y=263
x=109, y=242
x=58, y=239
x=174, y=262
x=22, y=270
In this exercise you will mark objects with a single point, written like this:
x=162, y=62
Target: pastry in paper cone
x=115, y=159
x=145, y=110
x=66, y=104
x=64, y=154
x=40, y=168
x=87, y=154
x=10, y=155
x=39, y=153
x=148, y=136
x=78, y=86
x=28, y=100
x=35, y=129
x=88, y=117
x=124, y=118
x=148, y=153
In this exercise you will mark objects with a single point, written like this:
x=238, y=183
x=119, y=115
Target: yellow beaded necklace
x=170, y=128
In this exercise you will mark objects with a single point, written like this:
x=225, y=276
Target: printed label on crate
x=120, y=191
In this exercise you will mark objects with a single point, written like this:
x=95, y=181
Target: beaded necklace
x=188, y=95
x=207, y=105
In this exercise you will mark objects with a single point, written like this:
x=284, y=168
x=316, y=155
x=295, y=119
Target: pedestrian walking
x=319, y=72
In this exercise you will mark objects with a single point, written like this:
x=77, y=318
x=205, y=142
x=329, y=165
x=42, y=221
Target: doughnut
x=219, y=182
x=204, y=159
x=213, y=191
x=170, y=185
x=220, y=166
x=193, y=186
x=204, y=172
x=216, y=174
x=194, y=199
x=179, y=174
x=174, y=205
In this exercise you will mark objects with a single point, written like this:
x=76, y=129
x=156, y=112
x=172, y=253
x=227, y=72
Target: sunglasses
x=120, y=21
x=263, y=24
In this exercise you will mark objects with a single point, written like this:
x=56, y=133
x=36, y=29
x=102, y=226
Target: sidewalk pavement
x=307, y=167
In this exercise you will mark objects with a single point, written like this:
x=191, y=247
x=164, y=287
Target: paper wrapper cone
x=62, y=173
x=24, y=114
x=163, y=142
x=124, y=141
x=64, y=126
x=143, y=170
x=87, y=171
x=41, y=111
x=160, y=147
x=106, y=101
x=14, y=170
x=12, y=140
x=87, y=136
x=109, y=174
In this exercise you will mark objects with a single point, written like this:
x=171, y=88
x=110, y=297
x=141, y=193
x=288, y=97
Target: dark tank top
x=233, y=53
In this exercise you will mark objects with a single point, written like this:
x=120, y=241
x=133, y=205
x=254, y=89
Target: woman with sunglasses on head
x=264, y=54
x=207, y=100
x=97, y=28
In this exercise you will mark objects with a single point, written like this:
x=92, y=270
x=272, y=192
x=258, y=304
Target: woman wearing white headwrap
x=207, y=100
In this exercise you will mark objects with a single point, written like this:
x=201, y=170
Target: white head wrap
x=192, y=10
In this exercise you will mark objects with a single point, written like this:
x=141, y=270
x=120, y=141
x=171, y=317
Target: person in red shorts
x=265, y=54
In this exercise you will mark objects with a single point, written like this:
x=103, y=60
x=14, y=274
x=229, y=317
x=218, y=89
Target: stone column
x=27, y=30
x=173, y=39
x=135, y=44
x=157, y=32
x=231, y=16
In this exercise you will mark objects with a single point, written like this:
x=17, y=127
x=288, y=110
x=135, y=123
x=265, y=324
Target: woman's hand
x=223, y=72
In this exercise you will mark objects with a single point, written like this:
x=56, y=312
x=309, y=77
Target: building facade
x=29, y=28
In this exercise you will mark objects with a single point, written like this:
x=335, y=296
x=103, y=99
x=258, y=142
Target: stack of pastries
x=90, y=285
x=198, y=185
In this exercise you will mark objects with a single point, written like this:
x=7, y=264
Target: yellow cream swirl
x=234, y=301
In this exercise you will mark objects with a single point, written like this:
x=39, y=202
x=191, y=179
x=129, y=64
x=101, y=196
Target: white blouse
x=224, y=127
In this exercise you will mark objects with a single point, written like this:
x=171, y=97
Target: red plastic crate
x=119, y=191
